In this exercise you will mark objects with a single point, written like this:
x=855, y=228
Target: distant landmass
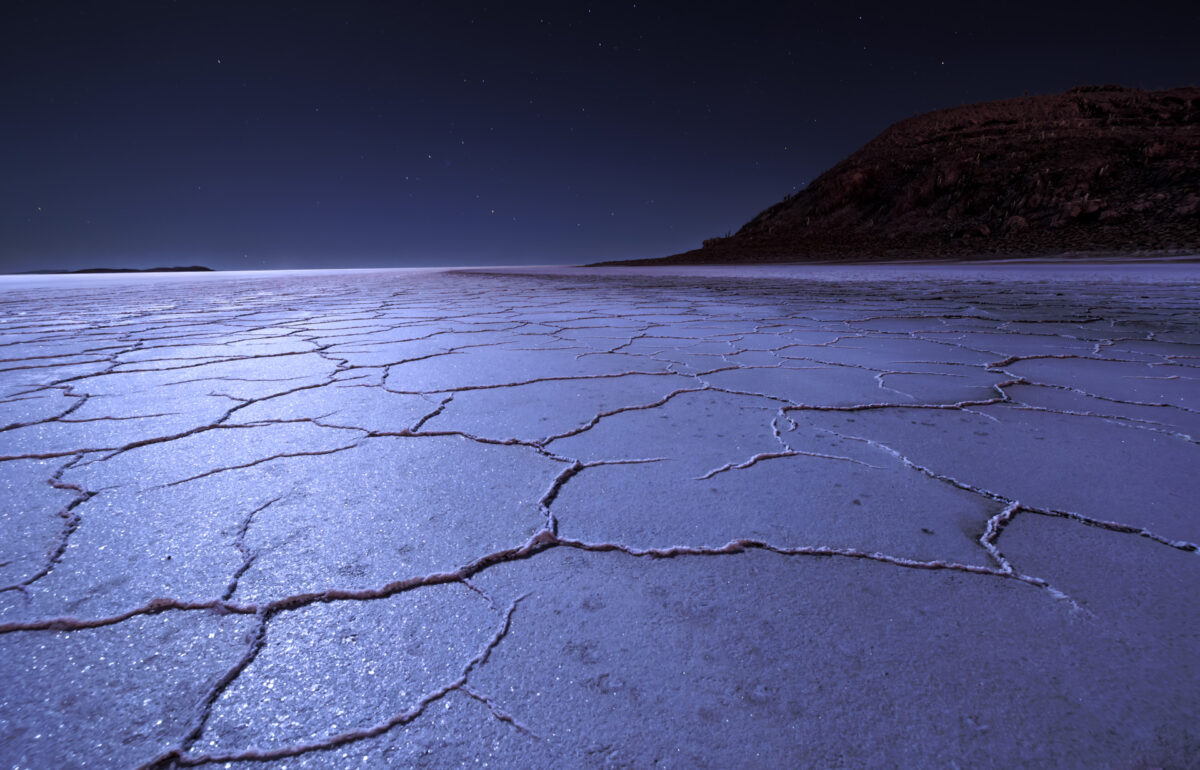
x=1099, y=169
x=188, y=269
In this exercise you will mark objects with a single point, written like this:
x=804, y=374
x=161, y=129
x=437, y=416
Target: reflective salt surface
x=895, y=515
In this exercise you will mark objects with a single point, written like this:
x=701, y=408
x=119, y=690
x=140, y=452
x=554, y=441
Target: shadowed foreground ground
x=391, y=518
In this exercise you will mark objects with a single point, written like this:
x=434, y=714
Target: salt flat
x=876, y=516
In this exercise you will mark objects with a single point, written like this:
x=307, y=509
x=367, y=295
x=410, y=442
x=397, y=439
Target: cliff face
x=1098, y=169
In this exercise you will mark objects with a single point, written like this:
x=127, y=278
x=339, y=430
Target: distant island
x=1097, y=170
x=188, y=269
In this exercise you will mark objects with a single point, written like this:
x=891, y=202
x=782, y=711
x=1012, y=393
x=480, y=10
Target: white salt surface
x=889, y=515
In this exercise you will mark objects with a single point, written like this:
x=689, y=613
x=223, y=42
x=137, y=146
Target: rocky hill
x=1099, y=169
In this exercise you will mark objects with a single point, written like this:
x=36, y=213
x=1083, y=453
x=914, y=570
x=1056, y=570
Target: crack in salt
x=498, y=712
x=755, y=459
x=1113, y=526
x=994, y=526
x=70, y=519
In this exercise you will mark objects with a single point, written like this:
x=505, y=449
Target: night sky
x=252, y=135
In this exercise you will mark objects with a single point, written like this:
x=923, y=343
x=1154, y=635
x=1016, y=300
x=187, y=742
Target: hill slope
x=1097, y=169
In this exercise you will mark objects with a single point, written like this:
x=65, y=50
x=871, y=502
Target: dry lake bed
x=884, y=516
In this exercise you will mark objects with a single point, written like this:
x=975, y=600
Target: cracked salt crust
x=815, y=517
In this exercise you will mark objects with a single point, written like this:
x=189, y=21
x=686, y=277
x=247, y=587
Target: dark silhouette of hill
x=1099, y=169
x=86, y=270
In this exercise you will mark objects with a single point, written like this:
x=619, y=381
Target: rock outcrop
x=1099, y=169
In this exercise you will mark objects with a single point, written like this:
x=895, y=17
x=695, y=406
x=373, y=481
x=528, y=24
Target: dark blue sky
x=356, y=134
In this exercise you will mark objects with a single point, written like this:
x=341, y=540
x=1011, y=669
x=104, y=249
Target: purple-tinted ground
x=893, y=516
